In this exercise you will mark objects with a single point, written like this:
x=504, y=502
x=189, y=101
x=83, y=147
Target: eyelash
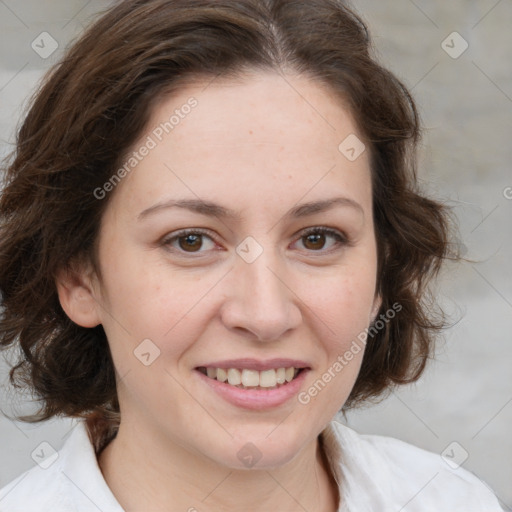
x=340, y=239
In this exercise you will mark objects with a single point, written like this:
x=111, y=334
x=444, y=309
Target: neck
x=154, y=475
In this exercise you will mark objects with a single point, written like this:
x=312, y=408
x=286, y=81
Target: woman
x=212, y=241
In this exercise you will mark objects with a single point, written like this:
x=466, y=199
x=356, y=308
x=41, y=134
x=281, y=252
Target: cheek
x=341, y=310
x=147, y=300
x=343, y=301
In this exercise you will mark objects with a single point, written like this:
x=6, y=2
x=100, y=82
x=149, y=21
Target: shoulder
x=394, y=474
x=36, y=489
x=69, y=480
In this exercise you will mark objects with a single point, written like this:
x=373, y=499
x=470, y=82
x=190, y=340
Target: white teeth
x=253, y=378
x=234, y=377
x=268, y=378
x=250, y=378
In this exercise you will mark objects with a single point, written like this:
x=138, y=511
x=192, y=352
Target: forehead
x=254, y=137
x=260, y=105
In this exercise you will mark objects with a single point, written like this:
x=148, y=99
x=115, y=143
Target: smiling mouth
x=252, y=379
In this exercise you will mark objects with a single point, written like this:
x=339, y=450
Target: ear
x=377, y=303
x=77, y=298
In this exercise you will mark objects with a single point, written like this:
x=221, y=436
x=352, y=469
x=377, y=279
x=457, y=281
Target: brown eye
x=322, y=239
x=190, y=243
x=314, y=241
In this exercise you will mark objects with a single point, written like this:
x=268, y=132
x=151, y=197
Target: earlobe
x=77, y=298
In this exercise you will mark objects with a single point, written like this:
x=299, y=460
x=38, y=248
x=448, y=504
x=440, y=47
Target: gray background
x=466, y=104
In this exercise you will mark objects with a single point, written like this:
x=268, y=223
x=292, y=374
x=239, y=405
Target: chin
x=263, y=449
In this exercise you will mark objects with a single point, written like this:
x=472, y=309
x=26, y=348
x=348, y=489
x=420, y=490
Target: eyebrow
x=212, y=209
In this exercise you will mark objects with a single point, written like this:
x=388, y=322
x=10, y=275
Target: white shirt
x=374, y=473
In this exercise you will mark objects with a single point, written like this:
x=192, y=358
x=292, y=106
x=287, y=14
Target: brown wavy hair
x=95, y=103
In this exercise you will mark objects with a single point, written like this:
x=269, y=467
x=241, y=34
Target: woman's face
x=253, y=171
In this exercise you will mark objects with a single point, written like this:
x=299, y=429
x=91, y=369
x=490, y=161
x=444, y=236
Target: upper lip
x=256, y=364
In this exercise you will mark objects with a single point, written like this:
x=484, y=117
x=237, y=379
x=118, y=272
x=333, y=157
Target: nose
x=260, y=302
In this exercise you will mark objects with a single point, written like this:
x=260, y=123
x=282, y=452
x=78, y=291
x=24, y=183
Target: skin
x=260, y=146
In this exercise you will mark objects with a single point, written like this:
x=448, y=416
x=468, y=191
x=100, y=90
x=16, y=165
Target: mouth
x=253, y=379
x=254, y=384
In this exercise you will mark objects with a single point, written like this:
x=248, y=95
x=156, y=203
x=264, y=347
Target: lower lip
x=256, y=399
